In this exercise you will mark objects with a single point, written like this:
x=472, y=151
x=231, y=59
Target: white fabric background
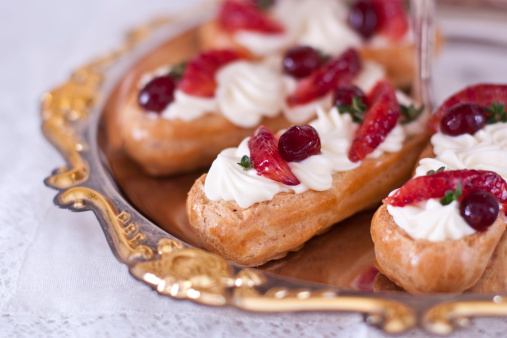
x=58, y=277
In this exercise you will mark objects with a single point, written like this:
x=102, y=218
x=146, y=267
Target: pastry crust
x=494, y=278
x=398, y=59
x=421, y=266
x=166, y=147
x=270, y=229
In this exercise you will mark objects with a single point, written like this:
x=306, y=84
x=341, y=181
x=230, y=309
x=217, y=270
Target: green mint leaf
x=432, y=172
x=449, y=197
x=246, y=163
x=178, y=70
x=264, y=5
x=410, y=113
x=496, y=113
x=323, y=56
x=452, y=195
x=459, y=192
x=356, y=109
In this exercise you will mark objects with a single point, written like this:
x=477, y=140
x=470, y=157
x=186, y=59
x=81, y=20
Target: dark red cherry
x=301, y=61
x=157, y=94
x=363, y=18
x=463, y=118
x=479, y=209
x=344, y=95
x=299, y=143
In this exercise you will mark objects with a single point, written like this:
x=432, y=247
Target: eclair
x=181, y=116
x=274, y=192
x=439, y=231
x=378, y=29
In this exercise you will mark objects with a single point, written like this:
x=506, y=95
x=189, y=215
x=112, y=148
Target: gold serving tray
x=145, y=223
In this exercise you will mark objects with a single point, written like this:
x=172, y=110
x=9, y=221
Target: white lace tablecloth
x=58, y=277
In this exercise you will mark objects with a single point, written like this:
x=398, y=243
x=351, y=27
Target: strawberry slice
x=434, y=186
x=380, y=118
x=364, y=281
x=391, y=19
x=482, y=94
x=199, y=76
x=332, y=74
x=263, y=147
x=235, y=15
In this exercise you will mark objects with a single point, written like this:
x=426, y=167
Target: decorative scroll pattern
x=126, y=238
x=443, y=318
x=190, y=273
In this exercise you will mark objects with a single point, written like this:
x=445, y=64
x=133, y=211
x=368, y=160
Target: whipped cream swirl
x=228, y=181
x=324, y=26
x=431, y=220
x=188, y=107
x=485, y=150
x=247, y=92
x=336, y=132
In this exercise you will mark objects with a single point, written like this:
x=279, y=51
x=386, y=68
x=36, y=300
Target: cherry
x=299, y=143
x=301, y=61
x=267, y=161
x=344, y=95
x=479, y=209
x=463, y=118
x=363, y=18
x=157, y=94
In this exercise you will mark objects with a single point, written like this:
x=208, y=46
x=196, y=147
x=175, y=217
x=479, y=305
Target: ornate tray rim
x=70, y=116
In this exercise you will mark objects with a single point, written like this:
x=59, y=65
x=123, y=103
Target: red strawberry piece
x=364, y=281
x=236, y=15
x=434, y=186
x=263, y=147
x=332, y=74
x=380, y=118
x=482, y=94
x=391, y=18
x=199, y=76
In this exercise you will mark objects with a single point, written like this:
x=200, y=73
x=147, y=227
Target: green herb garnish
x=264, y=5
x=432, y=172
x=323, y=56
x=246, y=163
x=496, y=113
x=356, y=109
x=452, y=195
x=178, y=70
x=410, y=113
